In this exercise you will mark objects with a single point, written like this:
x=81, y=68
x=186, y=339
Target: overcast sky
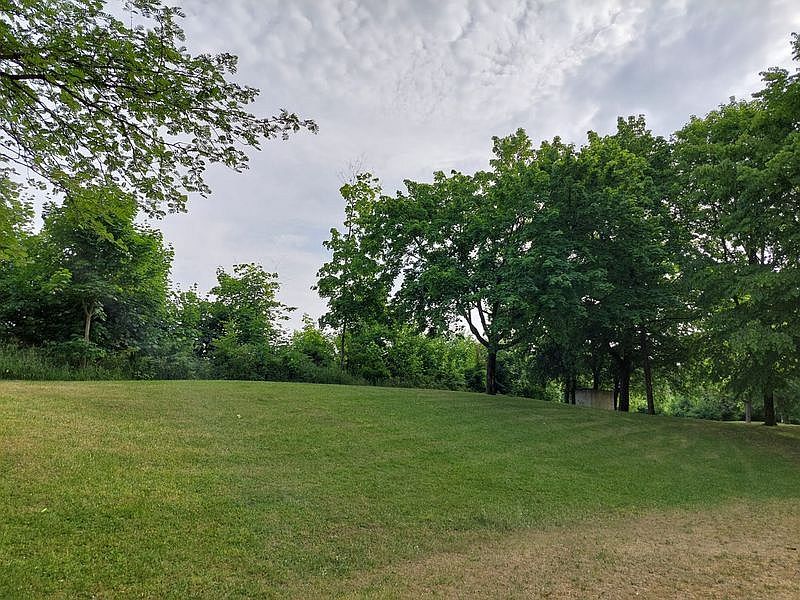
x=408, y=87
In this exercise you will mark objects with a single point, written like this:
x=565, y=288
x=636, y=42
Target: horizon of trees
x=667, y=270
x=630, y=252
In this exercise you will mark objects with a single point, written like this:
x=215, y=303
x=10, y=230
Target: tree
x=245, y=323
x=629, y=248
x=354, y=281
x=596, y=278
x=246, y=304
x=87, y=101
x=120, y=274
x=101, y=279
x=557, y=329
x=461, y=244
x=739, y=168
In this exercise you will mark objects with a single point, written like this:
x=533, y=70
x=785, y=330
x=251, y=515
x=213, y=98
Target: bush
x=298, y=366
x=49, y=364
x=176, y=366
x=705, y=406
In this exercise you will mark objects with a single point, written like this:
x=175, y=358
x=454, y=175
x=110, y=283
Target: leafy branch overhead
x=88, y=101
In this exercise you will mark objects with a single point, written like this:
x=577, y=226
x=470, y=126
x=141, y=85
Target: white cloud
x=416, y=86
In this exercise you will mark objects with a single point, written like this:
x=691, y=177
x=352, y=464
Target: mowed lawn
x=240, y=490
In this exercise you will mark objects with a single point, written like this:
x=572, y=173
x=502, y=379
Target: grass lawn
x=234, y=489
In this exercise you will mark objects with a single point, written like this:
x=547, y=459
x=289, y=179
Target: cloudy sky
x=406, y=87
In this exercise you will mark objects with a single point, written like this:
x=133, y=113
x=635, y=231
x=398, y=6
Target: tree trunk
x=769, y=408
x=341, y=350
x=748, y=411
x=624, y=403
x=622, y=381
x=87, y=322
x=596, y=379
x=491, y=372
x=570, y=383
x=648, y=375
x=88, y=313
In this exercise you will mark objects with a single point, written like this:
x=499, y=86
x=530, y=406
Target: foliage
x=739, y=200
x=704, y=402
x=244, y=323
x=460, y=245
x=314, y=344
x=400, y=356
x=15, y=214
x=245, y=305
x=88, y=102
x=354, y=282
x=96, y=283
x=50, y=364
x=552, y=249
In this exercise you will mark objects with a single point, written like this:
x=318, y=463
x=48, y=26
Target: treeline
x=89, y=296
x=664, y=269
x=629, y=258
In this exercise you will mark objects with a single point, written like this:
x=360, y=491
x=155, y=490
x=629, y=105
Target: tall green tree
x=101, y=279
x=462, y=244
x=87, y=100
x=629, y=246
x=740, y=166
x=245, y=323
x=354, y=281
x=120, y=274
x=740, y=201
x=554, y=312
x=601, y=254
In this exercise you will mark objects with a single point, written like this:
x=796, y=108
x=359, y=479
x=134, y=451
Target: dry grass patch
x=743, y=551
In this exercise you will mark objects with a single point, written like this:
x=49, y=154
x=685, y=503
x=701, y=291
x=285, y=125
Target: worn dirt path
x=737, y=551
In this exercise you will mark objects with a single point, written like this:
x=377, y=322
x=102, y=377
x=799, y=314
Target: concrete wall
x=595, y=398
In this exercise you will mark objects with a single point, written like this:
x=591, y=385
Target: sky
x=403, y=88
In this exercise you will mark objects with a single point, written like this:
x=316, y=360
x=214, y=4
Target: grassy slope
x=241, y=489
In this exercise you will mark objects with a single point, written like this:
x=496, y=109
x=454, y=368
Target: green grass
x=232, y=489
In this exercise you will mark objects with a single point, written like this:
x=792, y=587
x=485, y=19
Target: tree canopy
x=645, y=264
x=630, y=253
x=89, y=101
x=740, y=193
